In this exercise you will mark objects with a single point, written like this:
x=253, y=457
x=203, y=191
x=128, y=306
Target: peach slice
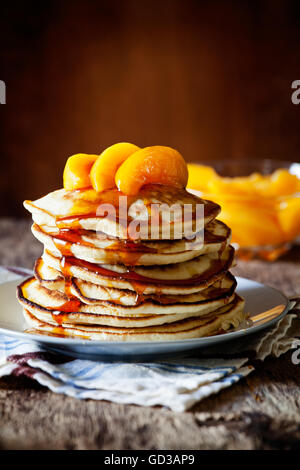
x=199, y=176
x=157, y=164
x=246, y=224
x=77, y=171
x=104, y=169
x=289, y=216
x=282, y=182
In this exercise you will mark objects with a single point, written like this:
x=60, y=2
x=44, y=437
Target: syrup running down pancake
x=151, y=266
x=88, y=246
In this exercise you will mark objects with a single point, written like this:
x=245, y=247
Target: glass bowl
x=263, y=213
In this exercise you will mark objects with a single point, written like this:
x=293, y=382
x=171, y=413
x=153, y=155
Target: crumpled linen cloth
x=174, y=383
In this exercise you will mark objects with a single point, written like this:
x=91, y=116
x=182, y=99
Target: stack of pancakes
x=95, y=281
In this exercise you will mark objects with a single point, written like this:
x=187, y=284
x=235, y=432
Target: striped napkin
x=177, y=384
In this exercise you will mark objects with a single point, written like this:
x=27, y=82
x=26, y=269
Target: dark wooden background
x=211, y=78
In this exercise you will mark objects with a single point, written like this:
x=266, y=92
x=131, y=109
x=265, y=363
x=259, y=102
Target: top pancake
x=158, y=212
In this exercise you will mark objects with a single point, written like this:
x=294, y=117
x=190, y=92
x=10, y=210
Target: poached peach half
x=77, y=171
x=103, y=171
x=156, y=164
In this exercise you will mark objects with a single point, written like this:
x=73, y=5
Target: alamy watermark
x=2, y=92
x=295, y=97
x=296, y=354
x=153, y=221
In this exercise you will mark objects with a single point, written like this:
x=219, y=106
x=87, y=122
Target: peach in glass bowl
x=260, y=202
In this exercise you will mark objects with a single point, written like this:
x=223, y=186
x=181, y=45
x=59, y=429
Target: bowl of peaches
x=260, y=201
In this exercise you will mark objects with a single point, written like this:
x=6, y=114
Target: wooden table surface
x=260, y=412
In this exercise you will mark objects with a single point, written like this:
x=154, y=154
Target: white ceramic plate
x=259, y=300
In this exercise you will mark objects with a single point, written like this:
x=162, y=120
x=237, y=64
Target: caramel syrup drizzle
x=87, y=204
x=66, y=262
x=131, y=275
x=138, y=281
x=72, y=304
x=129, y=253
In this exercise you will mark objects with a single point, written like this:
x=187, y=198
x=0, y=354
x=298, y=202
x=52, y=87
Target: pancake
x=194, y=327
x=182, y=278
x=42, y=301
x=184, y=271
x=216, y=238
x=85, y=209
x=149, y=267
x=90, y=293
x=216, y=233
